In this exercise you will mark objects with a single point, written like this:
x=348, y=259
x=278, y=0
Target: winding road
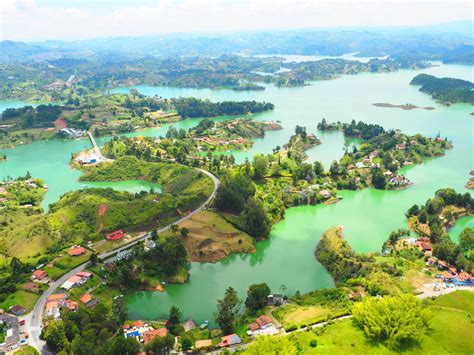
x=33, y=320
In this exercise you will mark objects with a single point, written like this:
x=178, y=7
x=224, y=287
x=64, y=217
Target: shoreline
x=405, y=107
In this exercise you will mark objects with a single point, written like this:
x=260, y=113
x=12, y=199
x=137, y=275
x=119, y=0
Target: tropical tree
x=257, y=297
x=227, y=310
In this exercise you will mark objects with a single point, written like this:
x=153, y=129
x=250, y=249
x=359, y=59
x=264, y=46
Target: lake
x=287, y=257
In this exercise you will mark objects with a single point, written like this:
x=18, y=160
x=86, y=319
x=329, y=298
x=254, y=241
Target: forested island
x=445, y=90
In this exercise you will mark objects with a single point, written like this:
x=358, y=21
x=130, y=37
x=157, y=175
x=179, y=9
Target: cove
x=287, y=257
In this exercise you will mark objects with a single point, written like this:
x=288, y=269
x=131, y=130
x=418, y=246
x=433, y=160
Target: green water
x=287, y=257
x=461, y=223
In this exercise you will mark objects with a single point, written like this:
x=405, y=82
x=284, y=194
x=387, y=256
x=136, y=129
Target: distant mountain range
x=450, y=42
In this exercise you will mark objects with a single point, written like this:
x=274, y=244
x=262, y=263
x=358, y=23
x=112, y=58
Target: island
x=405, y=107
x=445, y=90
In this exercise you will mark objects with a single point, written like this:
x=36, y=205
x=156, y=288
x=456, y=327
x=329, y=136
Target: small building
x=152, y=334
x=276, y=299
x=264, y=321
x=38, y=275
x=118, y=234
x=76, y=251
x=17, y=310
x=30, y=286
x=71, y=282
x=189, y=325
x=86, y=297
x=402, y=146
x=92, y=303
x=203, y=343
x=325, y=193
x=229, y=340
x=71, y=305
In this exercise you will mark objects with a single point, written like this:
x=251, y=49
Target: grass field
x=211, y=238
x=25, y=299
x=298, y=315
x=450, y=332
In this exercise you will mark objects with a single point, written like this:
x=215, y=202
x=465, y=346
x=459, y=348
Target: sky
x=35, y=20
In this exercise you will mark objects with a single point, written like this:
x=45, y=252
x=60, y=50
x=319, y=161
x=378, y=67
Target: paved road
x=33, y=321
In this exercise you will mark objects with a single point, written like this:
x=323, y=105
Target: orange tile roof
x=203, y=343
x=86, y=297
x=56, y=297
x=138, y=323
x=74, y=279
x=253, y=326
x=72, y=305
x=51, y=305
x=76, y=251
x=39, y=274
x=263, y=320
x=152, y=334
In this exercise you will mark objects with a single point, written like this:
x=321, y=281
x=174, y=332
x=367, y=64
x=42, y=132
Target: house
x=92, y=303
x=264, y=321
x=276, y=299
x=86, y=297
x=52, y=309
x=189, y=325
x=17, y=310
x=71, y=305
x=229, y=340
x=76, y=251
x=84, y=275
x=71, y=282
x=325, y=193
x=38, y=275
x=148, y=336
x=30, y=286
x=402, y=146
x=424, y=245
x=118, y=234
x=57, y=297
x=413, y=142
x=203, y=343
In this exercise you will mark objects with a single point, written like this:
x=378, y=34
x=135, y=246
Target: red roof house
x=118, y=234
x=39, y=275
x=76, y=251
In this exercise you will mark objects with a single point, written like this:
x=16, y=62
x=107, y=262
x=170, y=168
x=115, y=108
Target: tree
x=260, y=163
x=423, y=216
x=466, y=241
x=255, y=219
x=257, y=297
x=318, y=168
x=186, y=344
x=174, y=228
x=160, y=345
x=55, y=336
x=378, y=179
x=168, y=257
x=174, y=317
x=93, y=259
x=184, y=231
x=124, y=346
x=227, y=310
x=395, y=320
x=335, y=168
x=277, y=345
x=413, y=211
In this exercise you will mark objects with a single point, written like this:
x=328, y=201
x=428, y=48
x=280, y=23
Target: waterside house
x=424, y=245
x=229, y=340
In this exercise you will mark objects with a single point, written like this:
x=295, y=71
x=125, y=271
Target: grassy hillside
x=450, y=332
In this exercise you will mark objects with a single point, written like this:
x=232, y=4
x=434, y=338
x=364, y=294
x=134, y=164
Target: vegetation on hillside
x=445, y=90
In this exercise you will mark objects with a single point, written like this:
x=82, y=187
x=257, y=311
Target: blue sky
x=32, y=20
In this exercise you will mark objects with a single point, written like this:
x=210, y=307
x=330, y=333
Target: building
x=118, y=234
x=189, y=325
x=38, y=275
x=76, y=251
x=12, y=336
x=17, y=310
x=261, y=322
x=424, y=245
x=275, y=299
x=203, y=343
x=148, y=336
x=86, y=297
x=30, y=286
x=325, y=193
x=229, y=340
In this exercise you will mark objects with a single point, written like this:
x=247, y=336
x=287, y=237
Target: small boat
x=204, y=325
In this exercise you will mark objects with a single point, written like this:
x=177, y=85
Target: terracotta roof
x=86, y=297
x=82, y=274
x=56, y=297
x=76, y=251
x=29, y=286
x=51, y=305
x=139, y=323
x=152, y=334
x=203, y=343
x=39, y=274
x=72, y=305
x=253, y=326
x=263, y=320
x=74, y=279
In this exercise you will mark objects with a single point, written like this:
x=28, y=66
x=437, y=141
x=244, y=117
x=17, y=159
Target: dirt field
x=211, y=238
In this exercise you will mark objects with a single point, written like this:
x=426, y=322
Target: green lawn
x=450, y=332
x=25, y=299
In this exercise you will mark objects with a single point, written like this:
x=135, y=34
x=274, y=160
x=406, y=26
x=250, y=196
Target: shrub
x=313, y=343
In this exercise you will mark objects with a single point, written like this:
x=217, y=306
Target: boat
x=204, y=325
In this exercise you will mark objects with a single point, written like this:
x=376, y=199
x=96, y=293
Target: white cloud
x=56, y=19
